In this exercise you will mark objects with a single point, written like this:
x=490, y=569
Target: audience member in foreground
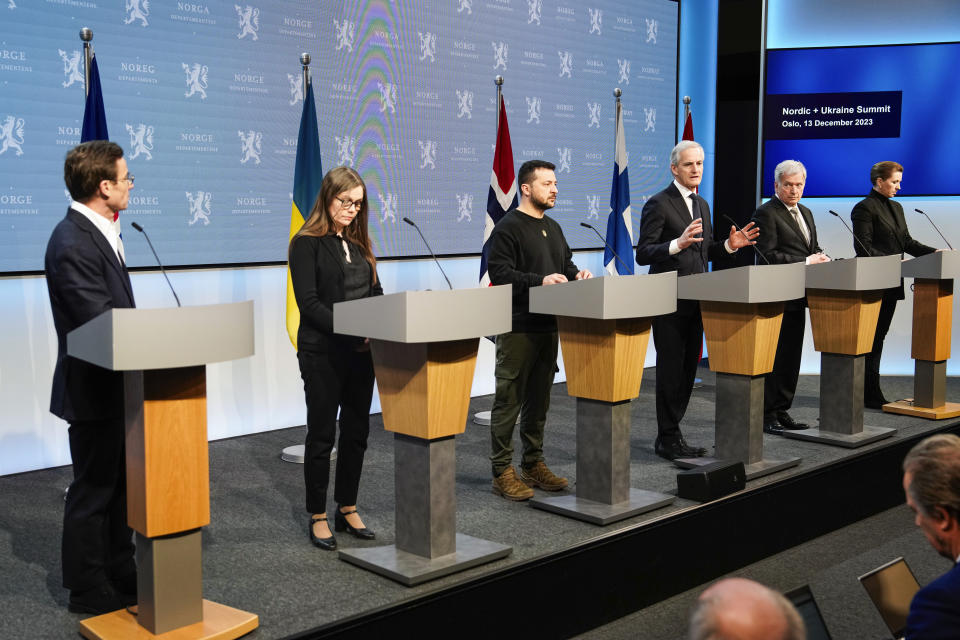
x=741, y=609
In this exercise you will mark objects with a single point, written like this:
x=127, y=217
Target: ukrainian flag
x=307, y=176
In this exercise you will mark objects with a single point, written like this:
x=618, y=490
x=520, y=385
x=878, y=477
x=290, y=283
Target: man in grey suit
x=86, y=276
x=787, y=234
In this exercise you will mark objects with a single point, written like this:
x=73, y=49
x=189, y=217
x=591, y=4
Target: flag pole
x=295, y=453
x=616, y=111
x=483, y=417
x=305, y=63
x=498, y=80
x=86, y=35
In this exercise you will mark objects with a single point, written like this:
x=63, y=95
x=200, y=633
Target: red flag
x=502, y=195
x=688, y=127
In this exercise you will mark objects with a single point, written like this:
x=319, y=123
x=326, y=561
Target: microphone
x=936, y=227
x=590, y=226
x=427, y=245
x=730, y=220
x=855, y=238
x=162, y=270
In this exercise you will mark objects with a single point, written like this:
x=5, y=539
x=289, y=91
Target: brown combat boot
x=540, y=476
x=507, y=485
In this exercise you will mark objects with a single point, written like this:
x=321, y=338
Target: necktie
x=695, y=209
x=800, y=223
x=695, y=206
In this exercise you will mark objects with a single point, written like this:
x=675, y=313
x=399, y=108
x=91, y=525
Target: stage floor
x=257, y=556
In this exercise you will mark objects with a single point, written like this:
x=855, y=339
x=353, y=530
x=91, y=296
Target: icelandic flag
x=307, y=177
x=619, y=222
x=94, y=116
x=503, y=188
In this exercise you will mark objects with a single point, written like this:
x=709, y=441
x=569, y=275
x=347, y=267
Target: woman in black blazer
x=331, y=261
x=880, y=227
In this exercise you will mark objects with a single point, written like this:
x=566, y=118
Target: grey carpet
x=257, y=556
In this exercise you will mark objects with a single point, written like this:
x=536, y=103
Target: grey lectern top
x=855, y=274
x=609, y=297
x=141, y=339
x=746, y=285
x=942, y=265
x=427, y=316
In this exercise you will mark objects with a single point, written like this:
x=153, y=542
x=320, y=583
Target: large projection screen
x=842, y=109
x=205, y=98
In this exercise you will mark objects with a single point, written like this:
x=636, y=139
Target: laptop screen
x=892, y=587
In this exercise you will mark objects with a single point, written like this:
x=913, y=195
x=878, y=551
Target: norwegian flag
x=503, y=188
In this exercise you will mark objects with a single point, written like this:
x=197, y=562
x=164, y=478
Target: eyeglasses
x=130, y=178
x=348, y=204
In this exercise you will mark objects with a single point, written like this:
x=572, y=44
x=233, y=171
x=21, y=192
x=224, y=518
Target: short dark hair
x=883, y=170
x=89, y=163
x=528, y=168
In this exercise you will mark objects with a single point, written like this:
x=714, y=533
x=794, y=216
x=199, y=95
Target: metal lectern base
x=411, y=569
x=753, y=470
x=640, y=501
x=294, y=454
x=847, y=440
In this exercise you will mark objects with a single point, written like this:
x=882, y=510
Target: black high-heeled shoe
x=327, y=544
x=340, y=524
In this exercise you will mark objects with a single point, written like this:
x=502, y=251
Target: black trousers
x=780, y=385
x=97, y=543
x=871, y=374
x=678, y=338
x=337, y=379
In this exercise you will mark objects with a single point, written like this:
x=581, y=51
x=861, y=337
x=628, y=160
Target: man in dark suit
x=881, y=229
x=931, y=481
x=676, y=235
x=788, y=234
x=86, y=276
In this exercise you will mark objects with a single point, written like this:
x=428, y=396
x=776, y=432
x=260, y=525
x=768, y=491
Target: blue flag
x=307, y=177
x=619, y=222
x=94, y=117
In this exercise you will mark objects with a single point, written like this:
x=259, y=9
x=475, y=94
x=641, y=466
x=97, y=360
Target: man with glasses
x=86, y=275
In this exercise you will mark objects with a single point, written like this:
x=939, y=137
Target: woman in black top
x=331, y=261
x=881, y=230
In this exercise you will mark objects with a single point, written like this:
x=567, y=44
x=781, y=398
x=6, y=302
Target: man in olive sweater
x=527, y=249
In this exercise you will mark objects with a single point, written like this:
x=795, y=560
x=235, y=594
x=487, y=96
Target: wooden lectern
x=844, y=298
x=604, y=326
x=163, y=353
x=742, y=309
x=424, y=346
x=933, y=276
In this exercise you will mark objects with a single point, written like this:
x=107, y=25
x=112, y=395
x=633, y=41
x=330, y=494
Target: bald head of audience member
x=741, y=609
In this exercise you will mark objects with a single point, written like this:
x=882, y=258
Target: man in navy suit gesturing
x=86, y=276
x=931, y=480
x=676, y=235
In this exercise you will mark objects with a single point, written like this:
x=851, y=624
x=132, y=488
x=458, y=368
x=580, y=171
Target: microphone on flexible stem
x=427, y=245
x=935, y=227
x=162, y=270
x=855, y=238
x=730, y=220
x=590, y=226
